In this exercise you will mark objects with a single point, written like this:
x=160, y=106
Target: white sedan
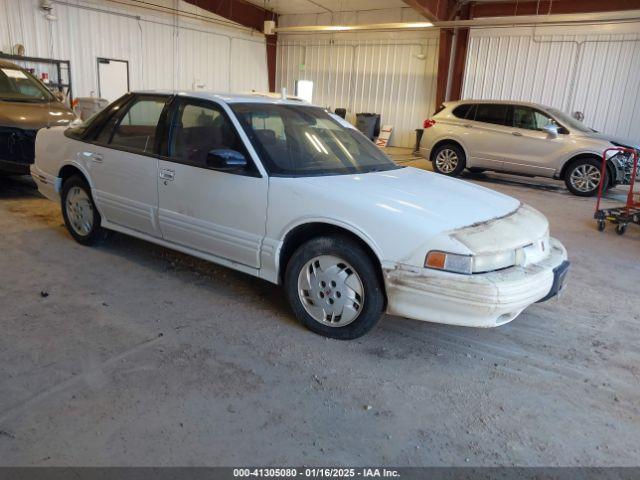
x=282, y=190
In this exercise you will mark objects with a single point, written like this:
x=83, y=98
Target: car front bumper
x=480, y=300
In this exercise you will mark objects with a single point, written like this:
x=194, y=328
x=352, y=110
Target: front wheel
x=449, y=159
x=582, y=177
x=333, y=288
x=80, y=214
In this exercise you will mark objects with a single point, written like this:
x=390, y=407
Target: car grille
x=17, y=145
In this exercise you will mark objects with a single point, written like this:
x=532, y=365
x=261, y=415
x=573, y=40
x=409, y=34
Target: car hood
x=611, y=139
x=410, y=192
x=33, y=116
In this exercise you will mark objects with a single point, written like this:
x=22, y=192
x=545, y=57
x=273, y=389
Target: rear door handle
x=167, y=174
x=517, y=134
x=467, y=125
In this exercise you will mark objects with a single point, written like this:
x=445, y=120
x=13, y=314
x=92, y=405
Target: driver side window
x=530, y=119
x=197, y=129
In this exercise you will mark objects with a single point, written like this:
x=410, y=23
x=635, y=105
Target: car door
x=216, y=210
x=488, y=134
x=123, y=166
x=532, y=150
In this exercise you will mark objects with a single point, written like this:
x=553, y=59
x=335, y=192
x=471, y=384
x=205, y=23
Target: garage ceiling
x=324, y=6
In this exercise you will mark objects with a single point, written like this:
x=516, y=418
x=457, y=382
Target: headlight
x=467, y=264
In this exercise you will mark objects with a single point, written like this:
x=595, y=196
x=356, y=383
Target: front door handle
x=94, y=157
x=167, y=174
x=467, y=125
x=517, y=134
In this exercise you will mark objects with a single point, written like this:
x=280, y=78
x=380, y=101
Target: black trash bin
x=369, y=124
x=341, y=112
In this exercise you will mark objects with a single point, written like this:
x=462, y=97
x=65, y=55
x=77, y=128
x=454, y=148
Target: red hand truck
x=621, y=217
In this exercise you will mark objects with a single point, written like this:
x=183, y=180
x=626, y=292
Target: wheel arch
x=304, y=232
x=593, y=156
x=70, y=169
x=445, y=141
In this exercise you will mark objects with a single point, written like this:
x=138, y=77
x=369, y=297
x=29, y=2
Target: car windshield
x=16, y=85
x=570, y=121
x=302, y=141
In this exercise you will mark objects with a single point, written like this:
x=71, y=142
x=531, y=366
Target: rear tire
x=449, y=159
x=582, y=177
x=80, y=214
x=333, y=288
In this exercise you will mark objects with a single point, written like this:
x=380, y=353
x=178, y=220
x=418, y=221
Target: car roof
x=250, y=97
x=497, y=102
x=5, y=64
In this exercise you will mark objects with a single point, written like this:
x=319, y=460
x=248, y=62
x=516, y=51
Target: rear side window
x=492, y=113
x=462, y=111
x=137, y=128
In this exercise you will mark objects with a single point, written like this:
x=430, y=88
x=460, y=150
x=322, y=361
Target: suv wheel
x=583, y=177
x=333, y=288
x=448, y=159
x=80, y=213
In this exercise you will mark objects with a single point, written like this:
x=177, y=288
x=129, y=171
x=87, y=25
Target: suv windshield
x=565, y=119
x=302, y=141
x=16, y=85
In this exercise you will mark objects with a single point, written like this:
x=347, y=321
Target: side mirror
x=552, y=130
x=59, y=96
x=226, y=160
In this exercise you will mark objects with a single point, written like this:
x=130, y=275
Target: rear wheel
x=583, y=175
x=80, y=214
x=449, y=159
x=333, y=288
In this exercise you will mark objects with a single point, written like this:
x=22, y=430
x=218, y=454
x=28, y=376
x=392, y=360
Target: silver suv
x=524, y=139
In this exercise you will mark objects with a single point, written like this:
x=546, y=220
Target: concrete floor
x=130, y=354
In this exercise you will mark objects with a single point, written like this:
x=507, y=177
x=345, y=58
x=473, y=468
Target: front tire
x=81, y=216
x=449, y=159
x=333, y=288
x=582, y=177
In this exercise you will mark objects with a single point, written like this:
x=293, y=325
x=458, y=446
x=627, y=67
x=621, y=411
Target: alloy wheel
x=585, y=178
x=447, y=160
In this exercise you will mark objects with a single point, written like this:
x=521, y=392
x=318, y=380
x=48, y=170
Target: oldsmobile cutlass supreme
x=285, y=191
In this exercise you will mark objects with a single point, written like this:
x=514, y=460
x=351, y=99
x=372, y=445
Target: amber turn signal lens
x=435, y=260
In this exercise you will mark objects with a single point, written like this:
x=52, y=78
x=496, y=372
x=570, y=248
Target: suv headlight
x=468, y=264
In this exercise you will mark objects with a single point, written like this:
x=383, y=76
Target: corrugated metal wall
x=164, y=51
x=395, y=77
x=592, y=69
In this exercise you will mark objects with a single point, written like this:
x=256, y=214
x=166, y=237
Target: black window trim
x=164, y=133
x=118, y=109
x=120, y=114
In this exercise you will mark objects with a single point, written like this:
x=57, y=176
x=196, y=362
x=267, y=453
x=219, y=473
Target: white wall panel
x=592, y=69
x=363, y=73
x=164, y=51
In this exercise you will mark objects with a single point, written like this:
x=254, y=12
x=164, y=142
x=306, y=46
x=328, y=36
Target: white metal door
x=122, y=167
x=125, y=187
x=113, y=78
x=218, y=213
x=215, y=212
